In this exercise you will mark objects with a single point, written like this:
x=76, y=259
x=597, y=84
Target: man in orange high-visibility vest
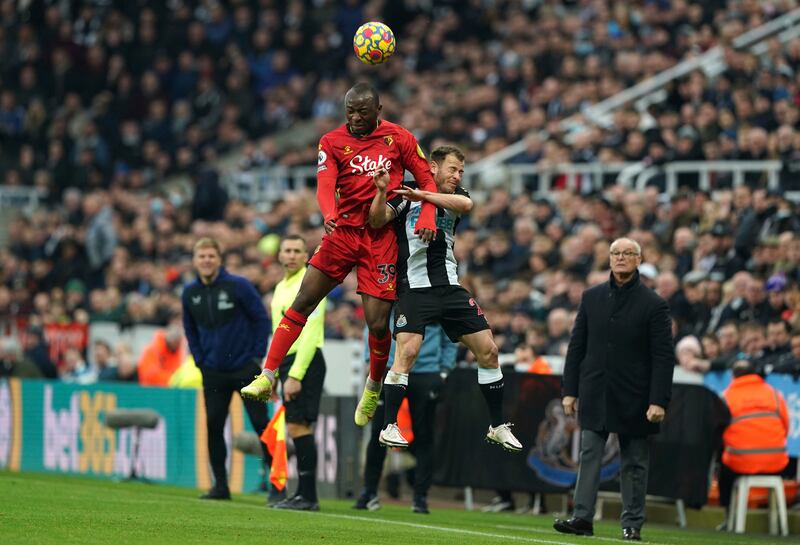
x=755, y=440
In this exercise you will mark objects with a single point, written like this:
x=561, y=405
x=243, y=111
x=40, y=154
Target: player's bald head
x=362, y=91
x=362, y=108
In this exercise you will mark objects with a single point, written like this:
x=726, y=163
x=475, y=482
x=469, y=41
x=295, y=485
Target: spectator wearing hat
x=38, y=351
x=776, y=298
x=648, y=274
x=13, y=362
x=727, y=261
x=688, y=308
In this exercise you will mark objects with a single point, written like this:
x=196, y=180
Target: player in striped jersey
x=428, y=292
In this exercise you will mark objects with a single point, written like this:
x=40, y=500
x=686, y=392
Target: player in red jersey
x=349, y=158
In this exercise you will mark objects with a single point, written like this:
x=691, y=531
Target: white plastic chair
x=737, y=515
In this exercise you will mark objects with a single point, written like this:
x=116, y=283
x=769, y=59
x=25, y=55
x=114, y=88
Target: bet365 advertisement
x=53, y=427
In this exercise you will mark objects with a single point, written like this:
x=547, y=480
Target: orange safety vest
x=755, y=440
x=540, y=366
x=157, y=362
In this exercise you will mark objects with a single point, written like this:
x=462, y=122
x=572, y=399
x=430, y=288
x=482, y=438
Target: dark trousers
x=422, y=394
x=635, y=455
x=726, y=479
x=218, y=387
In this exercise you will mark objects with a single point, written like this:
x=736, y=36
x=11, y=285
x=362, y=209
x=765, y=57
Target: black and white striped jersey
x=421, y=265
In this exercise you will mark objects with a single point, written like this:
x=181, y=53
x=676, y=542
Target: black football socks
x=491, y=384
x=306, y=451
x=394, y=390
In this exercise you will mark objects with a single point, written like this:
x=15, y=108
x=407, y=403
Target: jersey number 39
x=387, y=271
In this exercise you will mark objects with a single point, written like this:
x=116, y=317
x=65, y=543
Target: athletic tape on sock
x=400, y=379
x=488, y=376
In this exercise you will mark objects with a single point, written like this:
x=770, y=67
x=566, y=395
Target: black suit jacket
x=620, y=358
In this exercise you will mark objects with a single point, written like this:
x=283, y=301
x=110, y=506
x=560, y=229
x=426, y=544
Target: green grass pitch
x=45, y=509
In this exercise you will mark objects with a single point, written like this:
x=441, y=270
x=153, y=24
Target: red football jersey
x=346, y=165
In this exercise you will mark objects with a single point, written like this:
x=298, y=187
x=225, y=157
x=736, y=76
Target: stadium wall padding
x=680, y=455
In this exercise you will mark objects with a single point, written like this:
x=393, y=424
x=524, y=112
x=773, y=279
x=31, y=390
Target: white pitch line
x=543, y=531
x=443, y=529
x=399, y=523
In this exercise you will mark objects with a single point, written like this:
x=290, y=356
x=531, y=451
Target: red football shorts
x=372, y=251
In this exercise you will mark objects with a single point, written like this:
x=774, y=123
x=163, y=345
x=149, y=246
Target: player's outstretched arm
x=460, y=204
x=380, y=213
x=414, y=161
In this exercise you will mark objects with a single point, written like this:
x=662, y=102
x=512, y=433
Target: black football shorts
x=452, y=307
x=305, y=407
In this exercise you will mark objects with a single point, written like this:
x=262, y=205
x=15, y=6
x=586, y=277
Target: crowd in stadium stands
x=729, y=267
x=101, y=104
x=125, y=94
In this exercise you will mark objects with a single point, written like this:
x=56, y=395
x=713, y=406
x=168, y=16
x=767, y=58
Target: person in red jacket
x=754, y=443
x=161, y=357
x=349, y=158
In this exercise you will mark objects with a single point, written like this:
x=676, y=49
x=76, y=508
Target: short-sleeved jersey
x=421, y=265
x=350, y=162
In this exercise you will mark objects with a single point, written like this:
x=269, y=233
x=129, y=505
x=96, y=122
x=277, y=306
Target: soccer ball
x=374, y=43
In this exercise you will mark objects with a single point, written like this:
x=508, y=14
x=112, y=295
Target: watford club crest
x=388, y=140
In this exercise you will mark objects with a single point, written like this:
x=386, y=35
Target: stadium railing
x=712, y=62
x=261, y=187
x=651, y=90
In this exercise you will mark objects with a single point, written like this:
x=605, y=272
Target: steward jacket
x=755, y=440
x=158, y=362
x=226, y=323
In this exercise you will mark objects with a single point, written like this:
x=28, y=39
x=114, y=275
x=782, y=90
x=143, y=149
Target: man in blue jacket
x=437, y=357
x=227, y=327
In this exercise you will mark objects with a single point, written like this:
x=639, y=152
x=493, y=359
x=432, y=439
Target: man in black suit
x=619, y=365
